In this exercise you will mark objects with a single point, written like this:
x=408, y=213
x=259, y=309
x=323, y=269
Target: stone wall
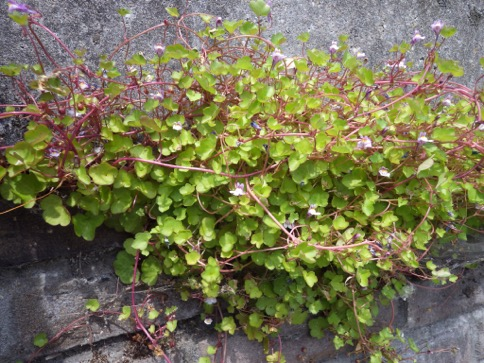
x=47, y=274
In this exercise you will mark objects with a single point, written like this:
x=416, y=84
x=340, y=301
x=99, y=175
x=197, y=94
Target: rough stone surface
x=46, y=274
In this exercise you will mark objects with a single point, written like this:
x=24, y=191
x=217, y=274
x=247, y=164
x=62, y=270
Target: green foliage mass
x=296, y=189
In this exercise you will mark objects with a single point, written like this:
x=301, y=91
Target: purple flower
x=334, y=47
x=83, y=85
x=160, y=96
x=358, y=53
x=312, y=211
x=269, y=16
x=255, y=125
x=21, y=8
x=447, y=101
x=277, y=56
x=210, y=300
x=159, y=49
x=384, y=172
x=239, y=190
x=218, y=22
x=422, y=138
x=364, y=143
x=417, y=38
x=437, y=26
x=177, y=126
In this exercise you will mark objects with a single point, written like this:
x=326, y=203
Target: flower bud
x=437, y=26
x=159, y=49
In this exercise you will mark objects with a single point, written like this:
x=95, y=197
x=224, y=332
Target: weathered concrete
x=47, y=274
x=48, y=296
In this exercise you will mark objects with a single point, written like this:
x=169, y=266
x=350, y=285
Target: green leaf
x=125, y=313
x=173, y=12
x=362, y=276
x=92, y=304
x=171, y=325
x=448, y=31
x=124, y=267
x=176, y=51
x=141, y=240
x=318, y=57
x=193, y=95
x=103, y=174
x=13, y=69
x=310, y=278
x=206, y=147
x=317, y=327
x=228, y=325
x=85, y=225
x=450, y=66
x=412, y=345
x=251, y=289
x=54, y=212
x=303, y=37
x=340, y=223
x=192, y=258
x=114, y=89
x=40, y=340
x=151, y=104
x=150, y=270
x=255, y=320
x=427, y=164
x=20, y=18
x=366, y=76
x=123, y=12
x=260, y=8
x=342, y=149
x=444, y=134
x=136, y=59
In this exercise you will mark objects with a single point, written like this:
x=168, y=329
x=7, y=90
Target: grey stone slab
x=50, y=296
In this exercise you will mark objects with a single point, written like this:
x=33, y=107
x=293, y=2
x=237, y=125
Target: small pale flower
x=70, y=112
x=437, y=26
x=384, y=172
x=159, y=49
x=177, y=126
x=312, y=211
x=402, y=64
x=481, y=127
x=334, y=47
x=21, y=8
x=364, y=143
x=239, y=190
x=210, y=300
x=447, y=102
x=288, y=225
x=417, y=38
x=358, y=53
x=422, y=138
x=157, y=96
x=480, y=207
x=277, y=56
x=208, y=321
x=53, y=153
x=83, y=85
x=218, y=22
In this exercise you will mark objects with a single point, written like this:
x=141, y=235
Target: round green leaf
x=103, y=174
x=54, y=211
